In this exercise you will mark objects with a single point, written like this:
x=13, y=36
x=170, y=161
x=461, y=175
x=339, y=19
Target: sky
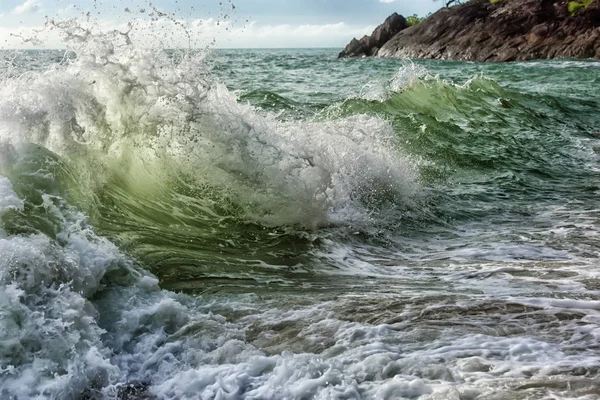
x=219, y=23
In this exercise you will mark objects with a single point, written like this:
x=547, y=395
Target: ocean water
x=280, y=224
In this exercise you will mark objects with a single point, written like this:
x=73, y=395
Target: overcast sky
x=230, y=23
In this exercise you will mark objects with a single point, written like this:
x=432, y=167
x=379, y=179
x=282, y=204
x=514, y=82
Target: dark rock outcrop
x=509, y=30
x=369, y=45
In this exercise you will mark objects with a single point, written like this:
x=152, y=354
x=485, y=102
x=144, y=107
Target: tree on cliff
x=451, y=2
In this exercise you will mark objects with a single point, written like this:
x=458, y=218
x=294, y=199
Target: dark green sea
x=281, y=224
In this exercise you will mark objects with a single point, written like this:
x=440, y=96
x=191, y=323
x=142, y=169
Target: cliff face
x=369, y=45
x=509, y=30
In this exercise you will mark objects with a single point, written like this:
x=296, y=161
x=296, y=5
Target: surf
x=165, y=233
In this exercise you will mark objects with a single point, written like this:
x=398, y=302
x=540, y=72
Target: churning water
x=280, y=224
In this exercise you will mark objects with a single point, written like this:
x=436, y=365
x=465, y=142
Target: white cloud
x=282, y=35
x=386, y=1
x=208, y=32
x=27, y=7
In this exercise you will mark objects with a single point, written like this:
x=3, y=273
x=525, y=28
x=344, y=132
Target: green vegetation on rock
x=575, y=6
x=414, y=19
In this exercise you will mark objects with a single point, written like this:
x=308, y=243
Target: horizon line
x=199, y=48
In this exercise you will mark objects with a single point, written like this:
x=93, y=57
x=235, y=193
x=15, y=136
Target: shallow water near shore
x=280, y=224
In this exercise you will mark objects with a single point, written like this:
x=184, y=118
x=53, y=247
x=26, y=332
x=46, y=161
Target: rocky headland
x=484, y=30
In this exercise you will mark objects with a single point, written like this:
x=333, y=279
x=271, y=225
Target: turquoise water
x=280, y=224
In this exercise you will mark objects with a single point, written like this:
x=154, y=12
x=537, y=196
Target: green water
x=495, y=147
x=318, y=228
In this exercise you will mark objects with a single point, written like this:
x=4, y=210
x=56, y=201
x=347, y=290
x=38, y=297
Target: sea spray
x=119, y=114
x=51, y=342
x=437, y=242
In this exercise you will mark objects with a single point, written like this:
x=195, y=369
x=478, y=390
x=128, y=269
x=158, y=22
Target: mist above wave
x=117, y=105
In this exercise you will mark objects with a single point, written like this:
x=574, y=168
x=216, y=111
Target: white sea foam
x=71, y=328
x=447, y=321
x=126, y=106
x=60, y=341
x=8, y=198
x=51, y=343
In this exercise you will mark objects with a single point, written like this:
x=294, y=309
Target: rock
x=369, y=45
x=508, y=30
